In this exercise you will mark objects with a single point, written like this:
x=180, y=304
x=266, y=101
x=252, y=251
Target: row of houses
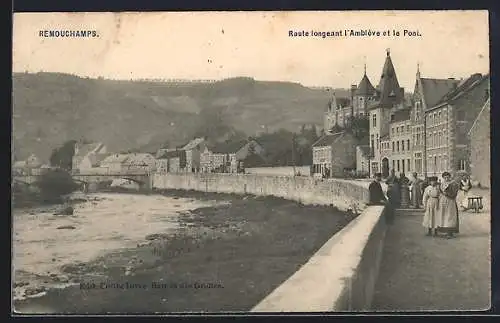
x=199, y=155
x=443, y=127
x=195, y=156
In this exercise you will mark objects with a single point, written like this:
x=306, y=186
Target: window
x=378, y=141
x=398, y=165
x=462, y=164
x=408, y=144
x=392, y=117
x=374, y=120
x=402, y=145
x=439, y=116
x=408, y=162
x=397, y=146
x=393, y=164
x=408, y=128
x=392, y=130
x=418, y=139
x=393, y=146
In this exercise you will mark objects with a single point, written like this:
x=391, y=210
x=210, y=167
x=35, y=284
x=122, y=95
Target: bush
x=56, y=183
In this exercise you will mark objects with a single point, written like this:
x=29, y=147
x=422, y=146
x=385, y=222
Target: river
x=105, y=222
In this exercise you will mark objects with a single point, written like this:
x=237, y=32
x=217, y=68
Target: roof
x=365, y=87
x=138, y=159
x=193, y=143
x=401, y=115
x=434, y=89
x=389, y=90
x=85, y=149
x=115, y=158
x=485, y=109
x=463, y=87
x=328, y=139
x=98, y=158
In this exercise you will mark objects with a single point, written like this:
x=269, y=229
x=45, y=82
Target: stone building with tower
x=339, y=110
x=428, y=134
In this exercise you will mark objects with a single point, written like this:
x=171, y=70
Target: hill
x=51, y=108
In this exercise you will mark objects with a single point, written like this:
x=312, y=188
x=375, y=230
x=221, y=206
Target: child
x=431, y=206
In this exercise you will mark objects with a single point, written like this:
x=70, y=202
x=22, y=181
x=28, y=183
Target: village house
x=88, y=156
x=113, y=164
x=479, y=146
x=170, y=161
x=447, y=125
x=363, y=156
x=193, y=151
x=334, y=154
x=30, y=166
x=139, y=163
x=228, y=157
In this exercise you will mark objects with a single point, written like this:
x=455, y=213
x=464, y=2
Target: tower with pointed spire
x=388, y=100
x=364, y=94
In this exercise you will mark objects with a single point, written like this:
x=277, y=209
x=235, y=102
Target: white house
x=88, y=156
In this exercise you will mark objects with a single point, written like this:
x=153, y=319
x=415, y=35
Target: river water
x=105, y=222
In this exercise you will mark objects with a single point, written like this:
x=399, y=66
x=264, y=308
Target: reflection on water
x=105, y=222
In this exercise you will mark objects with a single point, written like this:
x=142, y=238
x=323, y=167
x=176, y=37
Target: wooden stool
x=475, y=203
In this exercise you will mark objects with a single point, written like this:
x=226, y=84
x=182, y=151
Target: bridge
x=86, y=179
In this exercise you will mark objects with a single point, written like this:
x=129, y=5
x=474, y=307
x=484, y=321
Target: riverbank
x=226, y=257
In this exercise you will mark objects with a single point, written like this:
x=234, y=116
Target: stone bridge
x=143, y=179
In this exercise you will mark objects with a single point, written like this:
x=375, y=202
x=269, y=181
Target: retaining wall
x=341, y=276
x=280, y=171
x=344, y=194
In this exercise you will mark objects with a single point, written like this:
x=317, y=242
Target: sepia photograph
x=250, y=162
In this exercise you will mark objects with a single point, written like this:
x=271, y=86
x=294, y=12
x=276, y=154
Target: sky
x=218, y=45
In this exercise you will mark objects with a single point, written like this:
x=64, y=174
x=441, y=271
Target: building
x=397, y=150
x=334, y=154
x=88, y=156
x=139, y=163
x=362, y=159
x=339, y=110
x=213, y=161
x=193, y=151
x=447, y=124
x=388, y=100
x=113, y=163
x=30, y=166
x=170, y=161
x=479, y=147
x=427, y=92
x=228, y=156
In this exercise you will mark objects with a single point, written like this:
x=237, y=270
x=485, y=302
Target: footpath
x=420, y=273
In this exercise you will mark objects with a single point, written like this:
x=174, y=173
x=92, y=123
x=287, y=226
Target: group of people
x=439, y=200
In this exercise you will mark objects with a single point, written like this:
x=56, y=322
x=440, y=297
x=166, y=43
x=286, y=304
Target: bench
x=475, y=203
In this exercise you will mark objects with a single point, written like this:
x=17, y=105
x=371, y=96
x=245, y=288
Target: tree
x=56, y=183
x=62, y=157
x=360, y=126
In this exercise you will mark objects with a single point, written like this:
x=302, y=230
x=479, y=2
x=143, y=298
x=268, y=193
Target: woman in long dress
x=465, y=186
x=416, y=191
x=431, y=206
x=448, y=208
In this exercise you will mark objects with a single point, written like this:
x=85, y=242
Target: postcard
x=250, y=162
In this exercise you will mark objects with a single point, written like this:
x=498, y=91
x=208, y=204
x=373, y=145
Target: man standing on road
x=377, y=197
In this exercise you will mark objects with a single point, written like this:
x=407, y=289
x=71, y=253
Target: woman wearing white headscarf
x=465, y=186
